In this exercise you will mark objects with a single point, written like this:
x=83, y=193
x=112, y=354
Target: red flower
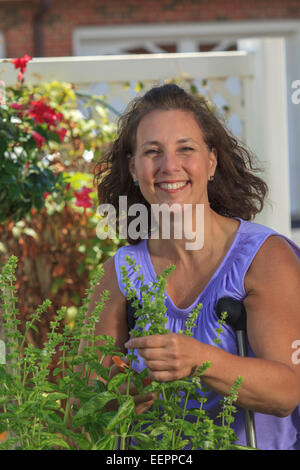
x=42, y=113
x=16, y=106
x=82, y=198
x=61, y=133
x=21, y=63
x=39, y=139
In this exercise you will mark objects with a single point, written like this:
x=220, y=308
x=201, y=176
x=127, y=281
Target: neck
x=187, y=235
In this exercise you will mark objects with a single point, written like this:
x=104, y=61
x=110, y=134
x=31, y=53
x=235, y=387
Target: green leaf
x=56, y=371
x=89, y=408
x=159, y=429
x=81, y=441
x=56, y=396
x=144, y=440
x=117, y=381
x=99, y=385
x=125, y=411
x=50, y=441
x=100, y=370
x=105, y=443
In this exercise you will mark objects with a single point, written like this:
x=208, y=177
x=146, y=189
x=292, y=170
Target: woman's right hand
x=142, y=401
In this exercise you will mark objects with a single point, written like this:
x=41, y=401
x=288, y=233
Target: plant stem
x=66, y=416
x=184, y=413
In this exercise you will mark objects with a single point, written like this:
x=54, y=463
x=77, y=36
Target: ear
x=213, y=159
x=131, y=166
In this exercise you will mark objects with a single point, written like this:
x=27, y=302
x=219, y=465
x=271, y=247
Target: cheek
x=145, y=170
x=201, y=167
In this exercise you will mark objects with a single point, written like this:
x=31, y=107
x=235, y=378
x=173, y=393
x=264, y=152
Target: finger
x=151, y=353
x=153, y=365
x=143, y=407
x=151, y=341
x=164, y=375
x=147, y=397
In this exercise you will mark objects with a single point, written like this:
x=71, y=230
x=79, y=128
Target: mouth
x=172, y=186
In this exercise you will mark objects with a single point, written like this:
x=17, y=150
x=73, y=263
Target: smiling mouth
x=172, y=187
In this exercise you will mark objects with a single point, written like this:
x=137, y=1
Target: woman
x=172, y=149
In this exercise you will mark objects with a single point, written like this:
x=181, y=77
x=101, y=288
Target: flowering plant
x=21, y=63
x=42, y=136
x=49, y=142
x=27, y=129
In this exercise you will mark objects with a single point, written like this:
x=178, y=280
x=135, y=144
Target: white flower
x=88, y=155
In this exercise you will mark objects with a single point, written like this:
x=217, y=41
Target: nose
x=170, y=162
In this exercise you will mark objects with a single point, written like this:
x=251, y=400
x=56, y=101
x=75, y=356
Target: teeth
x=172, y=185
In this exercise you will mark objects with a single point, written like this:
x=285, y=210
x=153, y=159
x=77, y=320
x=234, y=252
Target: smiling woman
x=181, y=155
x=233, y=190
x=176, y=166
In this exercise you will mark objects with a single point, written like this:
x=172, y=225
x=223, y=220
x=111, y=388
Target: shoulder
x=109, y=281
x=274, y=262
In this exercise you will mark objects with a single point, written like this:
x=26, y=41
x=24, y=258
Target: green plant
x=43, y=134
x=47, y=198
x=171, y=418
x=27, y=125
x=35, y=407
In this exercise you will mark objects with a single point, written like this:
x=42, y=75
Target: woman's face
x=172, y=162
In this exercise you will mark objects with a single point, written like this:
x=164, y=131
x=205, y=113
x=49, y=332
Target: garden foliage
x=35, y=411
x=50, y=141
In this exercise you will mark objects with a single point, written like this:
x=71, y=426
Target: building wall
x=54, y=38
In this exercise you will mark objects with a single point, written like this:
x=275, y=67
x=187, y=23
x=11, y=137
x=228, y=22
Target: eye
x=152, y=152
x=186, y=149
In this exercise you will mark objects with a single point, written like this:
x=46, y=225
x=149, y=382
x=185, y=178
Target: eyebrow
x=179, y=141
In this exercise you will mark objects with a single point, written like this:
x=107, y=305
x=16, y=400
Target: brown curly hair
x=235, y=191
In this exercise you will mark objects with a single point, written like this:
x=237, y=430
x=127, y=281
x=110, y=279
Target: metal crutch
x=237, y=319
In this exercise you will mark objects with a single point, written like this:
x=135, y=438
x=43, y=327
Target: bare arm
x=271, y=380
x=113, y=321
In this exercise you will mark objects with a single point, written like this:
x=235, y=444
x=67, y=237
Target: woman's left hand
x=168, y=357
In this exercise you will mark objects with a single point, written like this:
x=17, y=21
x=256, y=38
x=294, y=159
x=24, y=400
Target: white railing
x=259, y=103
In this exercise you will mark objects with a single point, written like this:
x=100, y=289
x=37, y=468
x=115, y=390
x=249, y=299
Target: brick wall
x=17, y=17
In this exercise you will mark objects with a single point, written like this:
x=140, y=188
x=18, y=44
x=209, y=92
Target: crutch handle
x=236, y=313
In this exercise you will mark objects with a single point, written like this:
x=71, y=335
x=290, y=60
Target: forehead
x=173, y=124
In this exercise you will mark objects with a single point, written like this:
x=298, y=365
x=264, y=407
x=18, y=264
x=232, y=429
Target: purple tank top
x=273, y=433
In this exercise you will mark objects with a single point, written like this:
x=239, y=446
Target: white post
x=266, y=126
x=2, y=45
x=293, y=74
